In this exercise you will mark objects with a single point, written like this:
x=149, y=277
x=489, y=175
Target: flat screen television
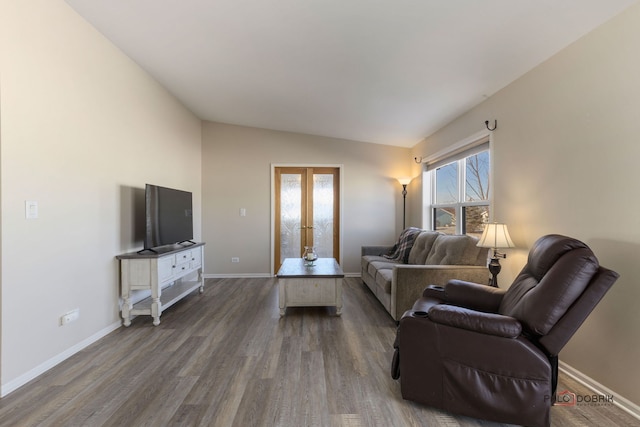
x=169, y=216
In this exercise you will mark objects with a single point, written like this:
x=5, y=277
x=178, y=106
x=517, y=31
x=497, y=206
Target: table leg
x=281, y=296
x=126, y=307
x=338, y=297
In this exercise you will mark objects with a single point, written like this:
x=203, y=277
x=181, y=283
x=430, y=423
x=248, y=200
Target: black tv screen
x=169, y=216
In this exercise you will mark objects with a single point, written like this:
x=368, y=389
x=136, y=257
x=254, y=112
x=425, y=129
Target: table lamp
x=495, y=236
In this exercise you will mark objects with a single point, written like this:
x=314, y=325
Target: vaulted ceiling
x=380, y=71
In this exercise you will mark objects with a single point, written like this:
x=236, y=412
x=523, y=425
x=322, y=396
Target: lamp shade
x=404, y=181
x=495, y=236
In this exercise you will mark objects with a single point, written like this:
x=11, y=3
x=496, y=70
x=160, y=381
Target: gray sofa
x=434, y=259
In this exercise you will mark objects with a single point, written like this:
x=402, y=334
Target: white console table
x=170, y=274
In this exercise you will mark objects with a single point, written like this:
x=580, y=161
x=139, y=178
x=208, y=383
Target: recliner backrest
x=558, y=270
x=564, y=329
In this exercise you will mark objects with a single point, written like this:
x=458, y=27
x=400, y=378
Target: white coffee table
x=303, y=286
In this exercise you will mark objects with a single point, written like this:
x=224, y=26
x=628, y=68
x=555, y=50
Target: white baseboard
x=44, y=367
x=237, y=276
x=254, y=275
x=624, y=404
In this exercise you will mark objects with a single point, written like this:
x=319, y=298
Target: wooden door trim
x=338, y=206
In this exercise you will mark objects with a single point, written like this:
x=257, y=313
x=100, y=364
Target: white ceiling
x=381, y=71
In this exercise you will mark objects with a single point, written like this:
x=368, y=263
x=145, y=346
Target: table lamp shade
x=495, y=236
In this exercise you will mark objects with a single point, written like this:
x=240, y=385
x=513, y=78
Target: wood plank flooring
x=226, y=358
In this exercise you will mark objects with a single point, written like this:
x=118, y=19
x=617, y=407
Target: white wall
x=83, y=129
x=565, y=161
x=236, y=168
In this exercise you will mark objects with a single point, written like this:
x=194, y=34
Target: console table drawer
x=184, y=257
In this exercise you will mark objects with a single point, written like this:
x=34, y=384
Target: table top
x=322, y=267
x=160, y=251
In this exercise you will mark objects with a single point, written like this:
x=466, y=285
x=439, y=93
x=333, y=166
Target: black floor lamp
x=404, y=182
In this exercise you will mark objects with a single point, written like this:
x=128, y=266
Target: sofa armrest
x=409, y=281
x=473, y=295
x=375, y=250
x=476, y=321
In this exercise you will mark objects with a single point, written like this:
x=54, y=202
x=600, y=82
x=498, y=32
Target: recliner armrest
x=477, y=321
x=473, y=295
x=434, y=291
x=422, y=306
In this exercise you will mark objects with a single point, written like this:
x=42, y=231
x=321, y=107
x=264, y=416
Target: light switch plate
x=31, y=209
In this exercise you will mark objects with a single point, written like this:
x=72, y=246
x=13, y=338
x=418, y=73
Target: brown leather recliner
x=487, y=353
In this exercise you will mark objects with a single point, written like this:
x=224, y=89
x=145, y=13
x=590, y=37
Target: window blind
x=466, y=151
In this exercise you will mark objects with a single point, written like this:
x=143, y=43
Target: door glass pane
x=290, y=215
x=477, y=177
x=475, y=219
x=447, y=184
x=444, y=220
x=323, y=214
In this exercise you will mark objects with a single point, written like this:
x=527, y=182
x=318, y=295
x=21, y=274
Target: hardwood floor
x=226, y=358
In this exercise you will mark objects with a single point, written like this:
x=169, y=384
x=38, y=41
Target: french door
x=307, y=212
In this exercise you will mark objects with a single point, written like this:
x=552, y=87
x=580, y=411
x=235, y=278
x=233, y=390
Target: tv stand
x=170, y=275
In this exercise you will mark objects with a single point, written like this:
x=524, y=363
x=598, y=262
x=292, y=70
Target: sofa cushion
x=377, y=265
x=366, y=259
x=422, y=246
x=453, y=250
x=400, y=251
x=383, y=279
x=474, y=255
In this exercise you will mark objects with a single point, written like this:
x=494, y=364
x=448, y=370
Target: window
x=459, y=199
